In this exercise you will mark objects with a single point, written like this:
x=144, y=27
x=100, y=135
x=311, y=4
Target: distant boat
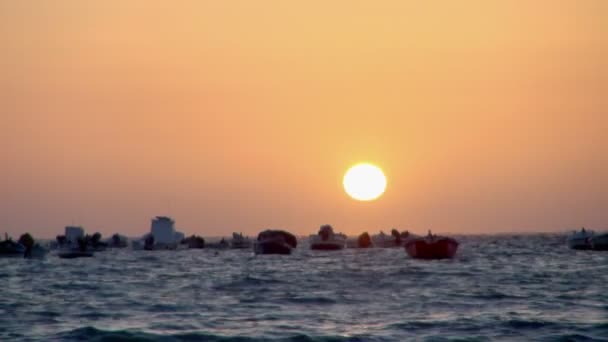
x=239, y=241
x=364, y=241
x=599, y=242
x=580, y=240
x=327, y=240
x=431, y=247
x=162, y=236
x=275, y=242
x=194, y=242
x=33, y=250
x=396, y=239
x=10, y=248
x=80, y=251
x=117, y=241
x=222, y=244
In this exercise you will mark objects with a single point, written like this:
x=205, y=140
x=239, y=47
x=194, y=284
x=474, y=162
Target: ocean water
x=512, y=288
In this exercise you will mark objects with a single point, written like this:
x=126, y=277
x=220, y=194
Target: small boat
x=10, y=248
x=327, y=240
x=194, y=242
x=239, y=241
x=599, y=242
x=383, y=240
x=76, y=252
x=222, y=244
x=580, y=240
x=364, y=241
x=431, y=247
x=117, y=241
x=275, y=242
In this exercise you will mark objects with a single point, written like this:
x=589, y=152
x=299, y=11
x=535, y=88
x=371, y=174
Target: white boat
x=326, y=239
x=162, y=236
x=239, y=241
x=599, y=242
x=580, y=239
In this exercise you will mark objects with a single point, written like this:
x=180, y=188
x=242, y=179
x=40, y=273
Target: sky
x=486, y=116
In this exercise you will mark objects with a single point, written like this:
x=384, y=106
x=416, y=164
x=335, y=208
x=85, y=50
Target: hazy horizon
x=486, y=117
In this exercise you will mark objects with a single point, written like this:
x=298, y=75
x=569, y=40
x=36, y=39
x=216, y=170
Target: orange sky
x=487, y=116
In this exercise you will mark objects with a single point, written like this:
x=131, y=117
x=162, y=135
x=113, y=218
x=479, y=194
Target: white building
x=73, y=233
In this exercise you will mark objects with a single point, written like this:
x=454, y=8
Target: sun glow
x=364, y=182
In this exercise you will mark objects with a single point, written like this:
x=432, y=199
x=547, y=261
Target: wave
x=93, y=334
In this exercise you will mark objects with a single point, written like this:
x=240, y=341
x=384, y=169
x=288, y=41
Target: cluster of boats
x=163, y=236
x=588, y=240
x=25, y=247
x=428, y=247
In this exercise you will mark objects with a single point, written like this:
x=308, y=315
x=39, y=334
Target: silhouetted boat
x=194, y=242
x=431, y=247
x=275, y=242
x=364, y=241
x=10, y=248
x=239, y=241
x=396, y=239
x=32, y=249
x=581, y=239
x=81, y=251
x=327, y=240
x=599, y=242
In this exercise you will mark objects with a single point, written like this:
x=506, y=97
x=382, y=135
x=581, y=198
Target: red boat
x=432, y=247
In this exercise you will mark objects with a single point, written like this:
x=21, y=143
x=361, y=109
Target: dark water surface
x=517, y=288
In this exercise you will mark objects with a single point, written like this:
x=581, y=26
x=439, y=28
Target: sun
x=364, y=182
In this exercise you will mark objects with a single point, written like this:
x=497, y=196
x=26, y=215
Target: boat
x=239, y=241
x=364, y=241
x=275, y=242
x=80, y=251
x=117, y=241
x=222, y=244
x=10, y=248
x=33, y=250
x=431, y=247
x=162, y=236
x=194, y=242
x=599, y=242
x=327, y=240
x=395, y=239
x=581, y=240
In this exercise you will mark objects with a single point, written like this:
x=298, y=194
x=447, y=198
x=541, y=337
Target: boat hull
x=599, y=242
x=272, y=248
x=73, y=255
x=579, y=243
x=443, y=248
x=327, y=246
x=11, y=249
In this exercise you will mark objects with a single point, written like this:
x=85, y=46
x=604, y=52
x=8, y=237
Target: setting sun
x=364, y=182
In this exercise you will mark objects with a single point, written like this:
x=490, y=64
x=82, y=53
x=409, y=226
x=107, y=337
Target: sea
x=498, y=288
